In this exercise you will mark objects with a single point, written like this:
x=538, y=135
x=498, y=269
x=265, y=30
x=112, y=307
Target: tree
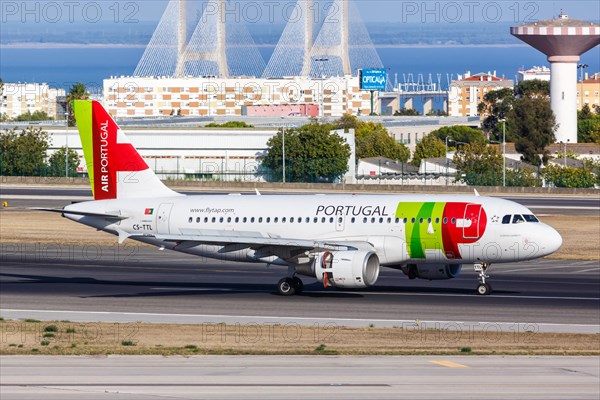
x=1, y=87
x=495, y=106
x=588, y=125
x=534, y=88
x=24, y=153
x=57, y=162
x=460, y=133
x=77, y=92
x=569, y=177
x=36, y=116
x=429, y=147
x=312, y=154
x=373, y=139
x=533, y=125
x=437, y=113
x=479, y=164
x=407, y=112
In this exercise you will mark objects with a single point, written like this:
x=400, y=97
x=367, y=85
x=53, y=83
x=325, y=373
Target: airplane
x=341, y=240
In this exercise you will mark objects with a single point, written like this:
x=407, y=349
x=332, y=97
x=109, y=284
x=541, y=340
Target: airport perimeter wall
x=313, y=187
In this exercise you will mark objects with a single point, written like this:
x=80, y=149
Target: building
x=588, y=91
x=540, y=73
x=20, y=98
x=127, y=97
x=468, y=91
x=204, y=154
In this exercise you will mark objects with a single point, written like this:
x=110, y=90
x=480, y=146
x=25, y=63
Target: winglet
x=476, y=192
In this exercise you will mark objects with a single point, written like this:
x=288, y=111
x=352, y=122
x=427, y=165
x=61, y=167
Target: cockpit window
x=518, y=219
x=506, y=219
x=530, y=218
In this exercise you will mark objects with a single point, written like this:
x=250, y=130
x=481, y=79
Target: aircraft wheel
x=298, y=284
x=484, y=289
x=286, y=287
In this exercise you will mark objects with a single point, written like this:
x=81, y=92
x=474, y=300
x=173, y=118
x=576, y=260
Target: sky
x=60, y=12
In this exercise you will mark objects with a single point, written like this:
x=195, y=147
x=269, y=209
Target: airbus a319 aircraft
x=341, y=240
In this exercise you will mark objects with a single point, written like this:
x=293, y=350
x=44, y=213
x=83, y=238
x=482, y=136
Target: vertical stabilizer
x=115, y=168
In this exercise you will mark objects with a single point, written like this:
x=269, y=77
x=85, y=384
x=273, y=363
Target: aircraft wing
x=256, y=242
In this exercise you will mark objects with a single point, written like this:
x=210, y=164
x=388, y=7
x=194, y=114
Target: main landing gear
x=483, y=288
x=290, y=286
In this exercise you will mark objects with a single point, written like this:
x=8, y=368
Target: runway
x=28, y=196
x=298, y=377
x=131, y=283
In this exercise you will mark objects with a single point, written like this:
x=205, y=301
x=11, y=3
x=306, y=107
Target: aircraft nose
x=552, y=239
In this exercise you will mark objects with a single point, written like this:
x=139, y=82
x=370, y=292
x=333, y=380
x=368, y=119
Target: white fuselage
x=400, y=228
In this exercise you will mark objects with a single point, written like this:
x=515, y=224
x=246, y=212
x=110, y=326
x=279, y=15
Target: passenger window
x=412, y=220
x=323, y=219
x=214, y=219
x=517, y=219
x=205, y=220
x=190, y=220
x=221, y=220
x=252, y=220
x=198, y=220
x=506, y=219
x=268, y=220
x=389, y=220
x=428, y=220
x=453, y=220
x=445, y=221
x=245, y=220
x=340, y=220
x=260, y=220
x=228, y=219
x=397, y=220
x=283, y=220
x=405, y=220
x=353, y=220
x=275, y=219
x=373, y=220
x=365, y=220
x=437, y=220
x=316, y=220
x=331, y=220
x=420, y=220
x=237, y=219
x=307, y=220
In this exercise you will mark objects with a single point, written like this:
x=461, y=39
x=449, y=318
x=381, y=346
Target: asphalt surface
x=297, y=377
x=131, y=283
x=61, y=196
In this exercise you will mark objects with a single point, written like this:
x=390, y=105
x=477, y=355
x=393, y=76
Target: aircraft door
x=339, y=224
x=163, y=218
x=471, y=221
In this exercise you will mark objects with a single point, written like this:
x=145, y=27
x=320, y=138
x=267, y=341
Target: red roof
x=483, y=77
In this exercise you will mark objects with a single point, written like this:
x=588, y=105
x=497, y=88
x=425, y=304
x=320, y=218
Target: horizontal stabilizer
x=82, y=213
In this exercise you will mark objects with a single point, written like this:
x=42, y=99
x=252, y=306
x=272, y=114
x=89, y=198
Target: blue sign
x=373, y=79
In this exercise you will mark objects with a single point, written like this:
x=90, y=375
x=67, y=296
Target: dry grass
x=581, y=234
x=103, y=338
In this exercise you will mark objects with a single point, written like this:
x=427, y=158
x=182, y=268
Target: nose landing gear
x=483, y=288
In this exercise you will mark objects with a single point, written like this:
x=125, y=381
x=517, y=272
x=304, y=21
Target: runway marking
x=529, y=269
x=448, y=364
x=587, y=270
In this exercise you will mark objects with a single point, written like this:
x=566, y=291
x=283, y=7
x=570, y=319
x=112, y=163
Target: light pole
x=67, y=146
x=581, y=67
x=448, y=138
x=503, y=152
x=283, y=149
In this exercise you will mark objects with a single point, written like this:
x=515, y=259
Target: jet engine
x=432, y=272
x=347, y=269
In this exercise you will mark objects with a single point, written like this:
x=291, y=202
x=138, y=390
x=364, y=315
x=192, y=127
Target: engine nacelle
x=432, y=272
x=347, y=269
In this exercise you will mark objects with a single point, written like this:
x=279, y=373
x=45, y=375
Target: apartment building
x=208, y=96
x=468, y=91
x=588, y=91
x=19, y=98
